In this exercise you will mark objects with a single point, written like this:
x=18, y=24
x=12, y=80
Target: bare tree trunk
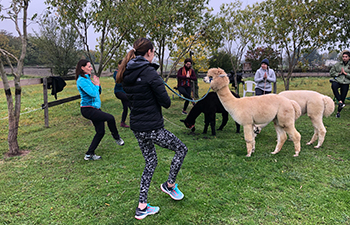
x=14, y=108
x=13, y=129
x=161, y=61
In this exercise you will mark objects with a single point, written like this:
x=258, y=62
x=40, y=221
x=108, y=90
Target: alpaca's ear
x=221, y=71
x=182, y=121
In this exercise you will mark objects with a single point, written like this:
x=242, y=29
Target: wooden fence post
x=45, y=107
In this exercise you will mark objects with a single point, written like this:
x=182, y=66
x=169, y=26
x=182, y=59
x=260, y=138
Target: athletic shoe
x=184, y=112
x=122, y=124
x=119, y=141
x=149, y=210
x=338, y=115
x=174, y=192
x=340, y=106
x=92, y=157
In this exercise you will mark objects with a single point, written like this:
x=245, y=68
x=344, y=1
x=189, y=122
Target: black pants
x=258, y=91
x=344, y=88
x=125, y=102
x=186, y=92
x=99, y=118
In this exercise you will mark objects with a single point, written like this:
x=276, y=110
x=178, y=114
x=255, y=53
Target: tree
x=338, y=15
x=165, y=22
x=255, y=56
x=11, y=44
x=221, y=59
x=59, y=45
x=17, y=9
x=311, y=58
x=201, y=52
x=34, y=55
x=118, y=55
x=294, y=25
x=104, y=17
x=239, y=30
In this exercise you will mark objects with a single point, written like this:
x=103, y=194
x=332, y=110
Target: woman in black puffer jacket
x=147, y=95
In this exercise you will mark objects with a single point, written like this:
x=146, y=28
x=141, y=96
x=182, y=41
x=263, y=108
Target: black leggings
x=186, y=92
x=344, y=88
x=258, y=91
x=125, y=102
x=164, y=139
x=99, y=118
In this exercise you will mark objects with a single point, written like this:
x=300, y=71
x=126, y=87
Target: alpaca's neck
x=225, y=95
x=194, y=113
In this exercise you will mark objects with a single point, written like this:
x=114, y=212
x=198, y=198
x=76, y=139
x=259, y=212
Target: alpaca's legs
x=319, y=131
x=224, y=120
x=249, y=139
x=314, y=137
x=295, y=136
x=281, y=138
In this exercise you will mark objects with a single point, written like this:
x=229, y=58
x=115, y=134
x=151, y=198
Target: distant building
x=330, y=62
x=247, y=67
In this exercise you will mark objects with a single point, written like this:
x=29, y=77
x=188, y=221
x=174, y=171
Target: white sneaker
x=119, y=141
x=92, y=157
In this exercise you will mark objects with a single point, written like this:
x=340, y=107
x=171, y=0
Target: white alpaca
x=257, y=110
x=315, y=105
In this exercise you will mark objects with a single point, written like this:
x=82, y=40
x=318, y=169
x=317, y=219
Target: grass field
x=54, y=185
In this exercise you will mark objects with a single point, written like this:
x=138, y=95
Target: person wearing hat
x=264, y=77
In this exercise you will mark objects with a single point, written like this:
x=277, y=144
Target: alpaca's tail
x=328, y=106
x=297, y=109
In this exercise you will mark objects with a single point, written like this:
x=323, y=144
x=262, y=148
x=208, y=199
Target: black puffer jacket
x=146, y=92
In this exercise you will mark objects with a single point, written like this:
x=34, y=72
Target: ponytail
x=140, y=47
x=121, y=70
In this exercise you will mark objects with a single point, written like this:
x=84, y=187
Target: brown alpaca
x=315, y=105
x=257, y=110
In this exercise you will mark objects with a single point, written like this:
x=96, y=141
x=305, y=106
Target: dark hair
x=346, y=53
x=78, y=70
x=140, y=47
x=188, y=60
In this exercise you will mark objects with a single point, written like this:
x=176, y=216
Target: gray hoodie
x=260, y=81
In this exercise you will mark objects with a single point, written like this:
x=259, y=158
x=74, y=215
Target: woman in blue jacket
x=90, y=107
x=147, y=94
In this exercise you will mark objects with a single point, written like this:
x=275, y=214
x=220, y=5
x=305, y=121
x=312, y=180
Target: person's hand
x=265, y=76
x=96, y=80
x=343, y=71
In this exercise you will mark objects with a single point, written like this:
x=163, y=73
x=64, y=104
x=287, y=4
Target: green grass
x=54, y=185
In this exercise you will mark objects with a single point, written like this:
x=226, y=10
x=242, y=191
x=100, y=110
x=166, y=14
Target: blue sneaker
x=149, y=210
x=174, y=192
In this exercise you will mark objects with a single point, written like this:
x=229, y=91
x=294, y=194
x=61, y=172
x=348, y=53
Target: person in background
x=147, y=94
x=184, y=76
x=264, y=77
x=341, y=80
x=120, y=94
x=90, y=107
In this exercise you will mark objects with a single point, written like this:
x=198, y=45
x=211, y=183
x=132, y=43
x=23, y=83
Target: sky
x=38, y=6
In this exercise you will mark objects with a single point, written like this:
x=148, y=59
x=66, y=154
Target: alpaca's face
x=217, y=78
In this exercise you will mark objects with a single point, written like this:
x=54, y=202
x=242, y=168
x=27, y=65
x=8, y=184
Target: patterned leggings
x=165, y=139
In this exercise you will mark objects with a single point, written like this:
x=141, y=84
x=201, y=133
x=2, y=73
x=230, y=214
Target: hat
x=266, y=61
